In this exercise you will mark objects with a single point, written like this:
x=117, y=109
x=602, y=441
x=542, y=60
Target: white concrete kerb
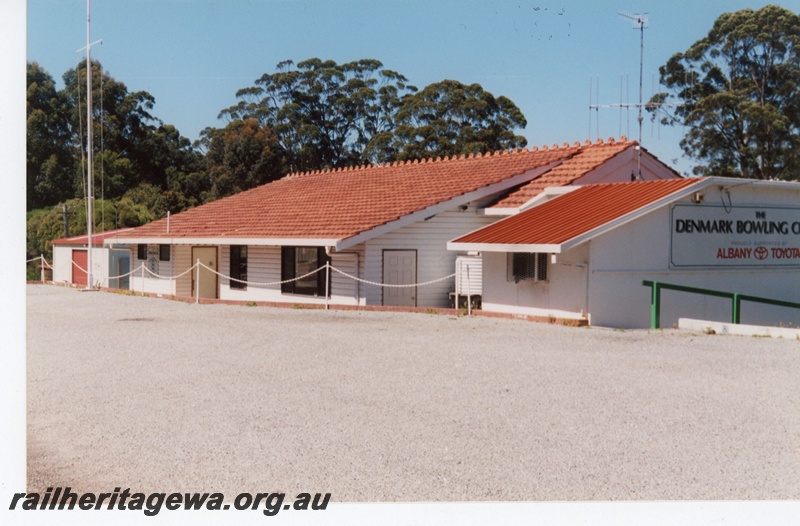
x=738, y=329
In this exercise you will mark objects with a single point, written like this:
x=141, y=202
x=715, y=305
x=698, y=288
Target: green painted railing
x=736, y=300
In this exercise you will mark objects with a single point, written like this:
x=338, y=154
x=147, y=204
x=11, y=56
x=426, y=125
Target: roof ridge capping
x=463, y=156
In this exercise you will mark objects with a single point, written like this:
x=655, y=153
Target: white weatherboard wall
x=264, y=266
x=429, y=238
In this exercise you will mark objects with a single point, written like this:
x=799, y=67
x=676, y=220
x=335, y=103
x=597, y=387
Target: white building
x=583, y=253
x=71, y=258
x=385, y=224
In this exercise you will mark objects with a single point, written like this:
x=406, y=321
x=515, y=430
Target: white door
x=208, y=280
x=400, y=268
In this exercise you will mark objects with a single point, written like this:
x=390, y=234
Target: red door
x=80, y=260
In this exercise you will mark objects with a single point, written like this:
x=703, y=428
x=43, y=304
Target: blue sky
x=193, y=55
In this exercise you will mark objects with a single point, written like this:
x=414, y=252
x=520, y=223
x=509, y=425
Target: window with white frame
x=523, y=266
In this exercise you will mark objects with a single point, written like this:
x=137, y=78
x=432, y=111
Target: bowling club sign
x=734, y=236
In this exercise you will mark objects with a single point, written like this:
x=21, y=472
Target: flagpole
x=89, y=179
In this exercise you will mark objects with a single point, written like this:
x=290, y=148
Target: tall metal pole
x=89, y=180
x=641, y=22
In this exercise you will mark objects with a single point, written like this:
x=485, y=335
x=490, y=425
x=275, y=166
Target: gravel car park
x=161, y=395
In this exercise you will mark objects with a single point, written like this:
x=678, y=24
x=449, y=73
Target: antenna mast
x=89, y=179
x=639, y=22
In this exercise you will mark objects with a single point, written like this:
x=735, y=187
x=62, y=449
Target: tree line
x=737, y=88
x=311, y=115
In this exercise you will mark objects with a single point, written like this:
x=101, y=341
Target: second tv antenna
x=639, y=22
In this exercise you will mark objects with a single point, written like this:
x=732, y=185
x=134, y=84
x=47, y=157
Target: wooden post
x=327, y=284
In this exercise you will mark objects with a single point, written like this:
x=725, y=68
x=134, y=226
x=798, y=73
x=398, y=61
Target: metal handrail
x=736, y=300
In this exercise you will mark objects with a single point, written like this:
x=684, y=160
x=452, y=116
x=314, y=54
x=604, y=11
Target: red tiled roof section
x=590, y=157
x=576, y=213
x=342, y=203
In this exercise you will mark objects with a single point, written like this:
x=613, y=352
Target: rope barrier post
x=469, y=295
x=327, y=285
x=41, y=256
x=197, y=283
x=142, y=267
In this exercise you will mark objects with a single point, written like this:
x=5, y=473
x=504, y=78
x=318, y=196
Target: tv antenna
x=640, y=22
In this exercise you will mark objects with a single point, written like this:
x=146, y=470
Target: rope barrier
x=43, y=261
x=392, y=285
x=143, y=267
x=259, y=284
x=127, y=274
x=80, y=268
x=158, y=276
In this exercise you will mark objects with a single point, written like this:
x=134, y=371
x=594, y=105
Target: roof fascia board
x=498, y=211
x=438, y=208
x=731, y=182
x=497, y=247
x=250, y=241
x=548, y=194
x=655, y=165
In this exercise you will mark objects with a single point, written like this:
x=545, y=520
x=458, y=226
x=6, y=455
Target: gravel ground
x=159, y=395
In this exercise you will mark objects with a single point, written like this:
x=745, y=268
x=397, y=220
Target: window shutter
x=287, y=269
x=322, y=258
x=541, y=267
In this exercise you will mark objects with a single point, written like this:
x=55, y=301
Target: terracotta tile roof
x=575, y=213
x=97, y=238
x=591, y=156
x=342, y=203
